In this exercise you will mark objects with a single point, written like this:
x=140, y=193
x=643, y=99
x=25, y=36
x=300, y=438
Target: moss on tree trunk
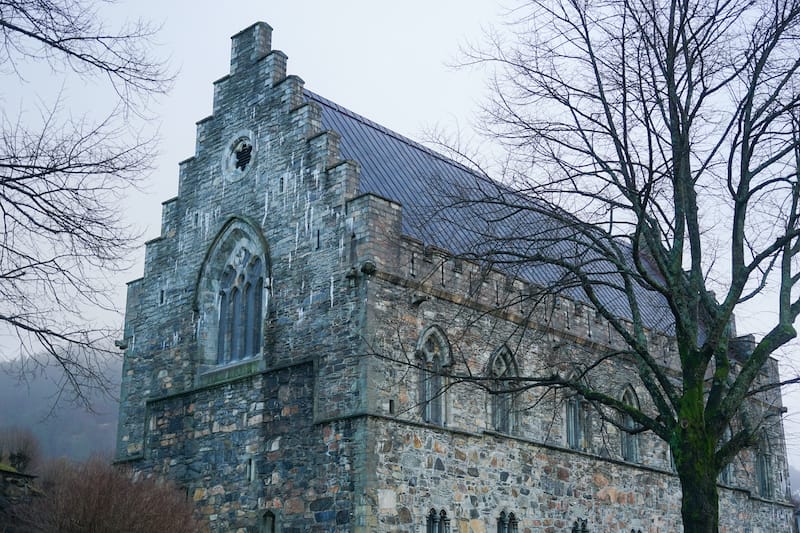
x=694, y=451
x=699, y=505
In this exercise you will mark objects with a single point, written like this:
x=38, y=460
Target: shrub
x=97, y=497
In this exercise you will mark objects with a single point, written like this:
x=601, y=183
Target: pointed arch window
x=629, y=438
x=502, y=372
x=580, y=526
x=253, y=298
x=230, y=295
x=433, y=351
x=726, y=474
x=240, y=313
x=579, y=423
x=437, y=522
x=507, y=523
x=764, y=468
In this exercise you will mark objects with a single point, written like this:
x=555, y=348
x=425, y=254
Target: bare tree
x=61, y=179
x=20, y=449
x=654, y=165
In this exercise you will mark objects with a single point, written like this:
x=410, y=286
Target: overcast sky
x=388, y=61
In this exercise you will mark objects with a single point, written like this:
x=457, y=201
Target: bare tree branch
x=653, y=164
x=62, y=178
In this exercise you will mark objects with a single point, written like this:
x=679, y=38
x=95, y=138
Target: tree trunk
x=700, y=506
x=694, y=450
x=694, y=460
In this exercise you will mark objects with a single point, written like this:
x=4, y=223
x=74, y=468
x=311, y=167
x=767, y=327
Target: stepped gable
x=441, y=207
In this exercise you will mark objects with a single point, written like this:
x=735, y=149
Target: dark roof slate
x=432, y=188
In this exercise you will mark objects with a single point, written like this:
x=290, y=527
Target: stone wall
x=473, y=471
x=475, y=476
x=250, y=445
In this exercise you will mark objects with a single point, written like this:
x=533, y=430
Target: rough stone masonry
x=288, y=348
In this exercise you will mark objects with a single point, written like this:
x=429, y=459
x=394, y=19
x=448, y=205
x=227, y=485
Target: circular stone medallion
x=239, y=157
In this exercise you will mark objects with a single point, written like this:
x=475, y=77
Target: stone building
x=281, y=348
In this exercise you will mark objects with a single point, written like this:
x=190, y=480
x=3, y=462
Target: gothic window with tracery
x=240, y=297
x=629, y=438
x=764, y=469
x=502, y=373
x=231, y=295
x=434, y=353
x=580, y=526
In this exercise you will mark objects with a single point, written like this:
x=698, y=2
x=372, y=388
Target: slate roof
x=439, y=196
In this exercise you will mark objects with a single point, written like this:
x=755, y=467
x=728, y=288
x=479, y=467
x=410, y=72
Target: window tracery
x=434, y=352
x=238, y=158
x=437, y=522
x=231, y=295
x=507, y=523
x=502, y=371
x=629, y=439
x=580, y=526
x=240, y=309
x=763, y=469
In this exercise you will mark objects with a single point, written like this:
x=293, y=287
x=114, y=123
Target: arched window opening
x=437, y=522
x=267, y=523
x=253, y=307
x=235, y=325
x=579, y=425
x=726, y=474
x=629, y=438
x=502, y=372
x=230, y=294
x=580, y=526
x=764, y=468
x=249, y=313
x=506, y=523
x=434, y=352
x=223, y=321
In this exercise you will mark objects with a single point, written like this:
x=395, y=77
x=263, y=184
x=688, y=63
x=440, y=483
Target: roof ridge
x=383, y=129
